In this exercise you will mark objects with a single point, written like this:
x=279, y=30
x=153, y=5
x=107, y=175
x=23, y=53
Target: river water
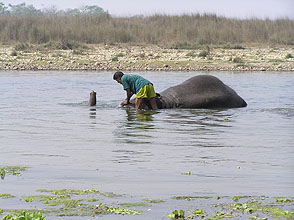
x=45, y=124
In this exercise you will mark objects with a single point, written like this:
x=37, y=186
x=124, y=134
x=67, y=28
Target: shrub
x=184, y=45
x=120, y=55
x=289, y=55
x=191, y=54
x=78, y=52
x=13, y=53
x=237, y=60
x=21, y=46
x=114, y=59
x=238, y=47
x=203, y=53
x=64, y=45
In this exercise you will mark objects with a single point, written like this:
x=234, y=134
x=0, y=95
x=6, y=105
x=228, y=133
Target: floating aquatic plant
x=236, y=198
x=197, y=213
x=177, y=215
x=63, y=204
x=11, y=170
x=154, y=200
x=25, y=216
x=116, y=210
x=70, y=191
x=6, y=196
x=190, y=197
x=137, y=204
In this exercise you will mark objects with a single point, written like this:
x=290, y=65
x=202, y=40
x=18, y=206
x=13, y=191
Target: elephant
x=202, y=91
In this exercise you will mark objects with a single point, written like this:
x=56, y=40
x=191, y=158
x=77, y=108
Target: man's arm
x=129, y=95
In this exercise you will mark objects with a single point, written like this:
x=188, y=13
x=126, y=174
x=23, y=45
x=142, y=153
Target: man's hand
x=125, y=102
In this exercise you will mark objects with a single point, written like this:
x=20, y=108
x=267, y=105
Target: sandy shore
x=148, y=58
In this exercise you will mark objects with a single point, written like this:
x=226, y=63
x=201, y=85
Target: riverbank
x=147, y=58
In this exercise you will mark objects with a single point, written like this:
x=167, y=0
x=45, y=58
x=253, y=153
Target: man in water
x=134, y=84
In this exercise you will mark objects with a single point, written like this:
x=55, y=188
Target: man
x=134, y=84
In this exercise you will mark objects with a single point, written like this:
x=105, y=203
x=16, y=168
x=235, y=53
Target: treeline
x=24, y=9
x=185, y=31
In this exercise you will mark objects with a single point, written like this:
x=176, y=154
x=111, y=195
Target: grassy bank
x=169, y=31
x=154, y=43
x=186, y=31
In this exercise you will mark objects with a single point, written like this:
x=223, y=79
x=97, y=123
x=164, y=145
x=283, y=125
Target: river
x=45, y=124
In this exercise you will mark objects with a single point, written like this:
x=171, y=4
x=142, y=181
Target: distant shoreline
x=148, y=58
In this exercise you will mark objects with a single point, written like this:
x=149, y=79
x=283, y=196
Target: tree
x=92, y=10
x=23, y=9
x=51, y=11
x=72, y=12
x=3, y=9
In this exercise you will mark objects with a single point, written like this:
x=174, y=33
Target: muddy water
x=45, y=124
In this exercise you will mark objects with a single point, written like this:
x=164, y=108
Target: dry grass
x=186, y=31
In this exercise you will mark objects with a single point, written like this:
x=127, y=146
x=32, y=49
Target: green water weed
x=236, y=198
x=190, y=197
x=42, y=198
x=11, y=170
x=153, y=200
x=2, y=173
x=6, y=196
x=224, y=215
x=137, y=204
x=110, y=194
x=25, y=216
x=268, y=209
x=177, y=215
x=187, y=173
x=65, y=192
x=103, y=209
x=256, y=217
x=282, y=200
x=198, y=213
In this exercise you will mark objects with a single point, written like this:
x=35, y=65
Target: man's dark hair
x=117, y=75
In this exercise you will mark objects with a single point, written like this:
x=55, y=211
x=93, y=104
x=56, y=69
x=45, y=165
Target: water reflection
x=135, y=126
x=198, y=119
x=135, y=134
x=131, y=156
x=92, y=113
x=145, y=115
x=140, y=115
x=139, y=119
x=288, y=112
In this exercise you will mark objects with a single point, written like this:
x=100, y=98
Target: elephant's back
x=203, y=91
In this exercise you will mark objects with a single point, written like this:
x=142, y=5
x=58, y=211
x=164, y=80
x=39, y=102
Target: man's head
x=117, y=76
